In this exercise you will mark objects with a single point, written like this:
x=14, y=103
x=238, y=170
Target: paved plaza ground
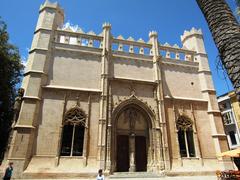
x=162, y=178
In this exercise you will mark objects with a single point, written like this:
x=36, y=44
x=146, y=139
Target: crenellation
x=175, y=52
x=120, y=37
x=167, y=45
x=106, y=25
x=129, y=45
x=176, y=46
x=48, y=4
x=141, y=40
x=192, y=32
x=79, y=38
x=153, y=33
x=91, y=33
x=130, y=39
x=79, y=30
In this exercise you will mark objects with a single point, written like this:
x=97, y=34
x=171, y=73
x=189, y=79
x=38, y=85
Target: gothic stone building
x=98, y=101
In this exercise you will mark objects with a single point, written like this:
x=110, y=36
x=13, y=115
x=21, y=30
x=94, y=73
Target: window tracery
x=185, y=137
x=75, y=116
x=73, y=132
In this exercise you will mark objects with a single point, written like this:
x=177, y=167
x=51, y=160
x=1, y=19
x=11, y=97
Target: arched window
x=185, y=137
x=73, y=132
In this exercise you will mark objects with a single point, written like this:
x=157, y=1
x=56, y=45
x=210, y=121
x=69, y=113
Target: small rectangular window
x=233, y=137
x=228, y=118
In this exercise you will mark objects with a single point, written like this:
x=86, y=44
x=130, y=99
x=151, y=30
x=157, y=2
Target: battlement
x=74, y=35
x=51, y=5
x=192, y=32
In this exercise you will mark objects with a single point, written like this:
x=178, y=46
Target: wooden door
x=122, y=153
x=140, y=153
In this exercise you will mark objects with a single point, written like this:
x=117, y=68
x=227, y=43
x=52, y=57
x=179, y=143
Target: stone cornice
x=34, y=72
x=38, y=49
x=71, y=88
x=124, y=55
x=84, y=35
x=205, y=71
x=208, y=90
x=214, y=112
x=24, y=126
x=186, y=99
x=32, y=97
x=179, y=63
x=201, y=54
x=124, y=79
x=77, y=48
x=129, y=42
x=13, y=158
x=42, y=29
x=218, y=135
x=44, y=156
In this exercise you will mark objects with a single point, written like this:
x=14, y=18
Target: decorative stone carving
x=132, y=90
x=75, y=116
x=17, y=105
x=132, y=115
x=184, y=123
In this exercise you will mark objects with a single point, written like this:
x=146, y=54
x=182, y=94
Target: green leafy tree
x=226, y=34
x=10, y=75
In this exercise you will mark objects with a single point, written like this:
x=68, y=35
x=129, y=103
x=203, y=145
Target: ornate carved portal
x=131, y=140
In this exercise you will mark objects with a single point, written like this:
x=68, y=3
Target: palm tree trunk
x=226, y=34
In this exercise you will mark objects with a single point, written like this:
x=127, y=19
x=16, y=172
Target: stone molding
x=71, y=88
x=34, y=72
x=184, y=98
x=124, y=79
x=32, y=97
x=24, y=126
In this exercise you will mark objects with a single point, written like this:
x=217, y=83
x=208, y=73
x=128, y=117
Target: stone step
x=170, y=178
x=123, y=175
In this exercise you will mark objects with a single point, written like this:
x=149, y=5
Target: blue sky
x=128, y=17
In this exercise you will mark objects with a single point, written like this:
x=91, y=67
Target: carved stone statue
x=17, y=105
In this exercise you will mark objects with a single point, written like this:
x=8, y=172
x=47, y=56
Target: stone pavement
x=159, y=178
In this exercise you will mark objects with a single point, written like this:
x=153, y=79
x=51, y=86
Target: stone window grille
x=185, y=137
x=73, y=133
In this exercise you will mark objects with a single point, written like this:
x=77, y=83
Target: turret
x=193, y=40
x=50, y=17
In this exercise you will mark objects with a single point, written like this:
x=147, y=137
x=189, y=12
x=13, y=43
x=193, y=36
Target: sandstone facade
x=127, y=105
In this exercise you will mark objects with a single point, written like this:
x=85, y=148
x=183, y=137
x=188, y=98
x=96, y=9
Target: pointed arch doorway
x=131, y=139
